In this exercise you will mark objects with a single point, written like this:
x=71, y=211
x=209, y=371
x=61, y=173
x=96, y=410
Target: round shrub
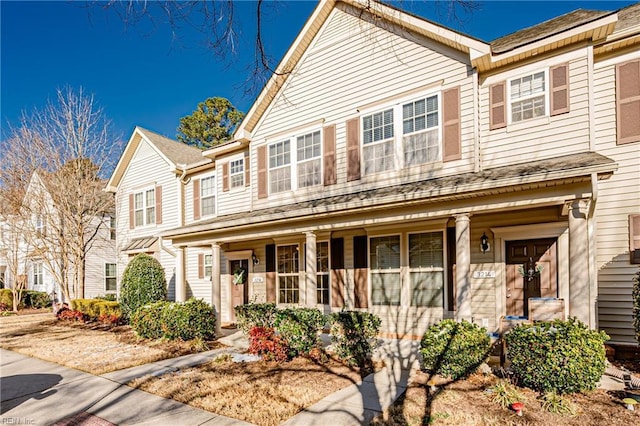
x=189, y=320
x=353, y=334
x=454, y=349
x=557, y=356
x=143, y=282
x=299, y=328
x=147, y=321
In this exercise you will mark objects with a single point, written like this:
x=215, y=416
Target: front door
x=239, y=284
x=531, y=272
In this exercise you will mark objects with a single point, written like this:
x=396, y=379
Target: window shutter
x=559, y=89
x=247, y=168
x=329, y=139
x=360, y=272
x=225, y=177
x=196, y=199
x=634, y=238
x=262, y=172
x=158, y=205
x=628, y=101
x=270, y=267
x=452, y=149
x=131, y=213
x=497, y=106
x=200, y=265
x=353, y=149
x=337, y=272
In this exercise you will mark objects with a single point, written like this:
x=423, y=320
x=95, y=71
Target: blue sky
x=144, y=77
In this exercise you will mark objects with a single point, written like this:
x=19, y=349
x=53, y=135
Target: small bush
x=636, y=305
x=557, y=356
x=65, y=314
x=353, y=334
x=111, y=319
x=504, y=394
x=558, y=404
x=299, y=328
x=255, y=315
x=36, y=299
x=193, y=319
x=147, y=321
x=264, y=341
x=95, y=308
x=143, y=282
x=6, y=297
x=454, y=349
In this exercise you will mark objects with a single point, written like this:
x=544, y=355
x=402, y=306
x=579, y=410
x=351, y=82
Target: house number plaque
x=484, y=274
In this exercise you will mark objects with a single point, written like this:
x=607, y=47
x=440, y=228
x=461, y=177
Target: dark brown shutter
x=247, y=168
x=329, y=139
x=634, y=238
x=270, y=269
x=158, y=205
x=200, y=265
x=196, y=199
x=337, y=272
x=559, y=89
x=360, y=272
x=262, y=172
x=353, y=149
x=452, y=149
x=497, y=106
x=628, y=101
x=132, y=223
x=225, y=177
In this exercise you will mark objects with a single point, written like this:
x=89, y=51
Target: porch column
x=216, y=291
x=463, y=266
x=181, y=291
x=311, y=277
x=580, y=304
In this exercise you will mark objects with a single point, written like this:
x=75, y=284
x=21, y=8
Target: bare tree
x=52, y=168
x=13, y=250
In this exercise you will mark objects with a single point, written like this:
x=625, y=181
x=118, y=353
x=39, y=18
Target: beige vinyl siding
x=374, y=66
x=197, y=287
x=617, y=198
x=102, y=251
x=544, y=137
x=234, y=200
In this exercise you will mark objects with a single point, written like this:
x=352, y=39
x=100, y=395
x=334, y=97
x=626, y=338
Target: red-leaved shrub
x=71, y=315
x=265, y=342
x=111, y=319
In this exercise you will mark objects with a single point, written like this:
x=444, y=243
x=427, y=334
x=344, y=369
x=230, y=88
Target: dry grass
x=263, y=393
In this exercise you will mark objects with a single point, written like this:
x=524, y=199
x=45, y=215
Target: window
x=527, y=97
x=236, y=173
x=308, y=157
x=426, y=269
x=322, y=272
x=420, y=131
x=288, y=274
x=279, y=167
x=38, y=274
x=384, y=258
x=112, y=228
x=208, y=265
x=207, y=196
x=378, y=143
x=39, y=225
x=110, y=277
x=145, y=207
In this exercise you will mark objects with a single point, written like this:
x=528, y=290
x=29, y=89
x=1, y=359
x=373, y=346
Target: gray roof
x=176, y=152
x=628, y=17
x=546, y=29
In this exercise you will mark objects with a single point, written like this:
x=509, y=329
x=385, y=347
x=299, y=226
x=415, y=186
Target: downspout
x=476, y=127
x=593, y=273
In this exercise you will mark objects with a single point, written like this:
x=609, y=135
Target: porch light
x=255, y=259
x=484, y=243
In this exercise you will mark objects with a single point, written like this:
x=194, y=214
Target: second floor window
x=308, y=157
x=40, y=226
x=112, y=228
x=236, y=173
x=527, y=97
x=420, y=131
x=145, y=207
x=207, y=196
x=378, y=142
x=280, y=166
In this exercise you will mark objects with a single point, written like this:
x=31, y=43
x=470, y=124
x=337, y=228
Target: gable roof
x=177, y=155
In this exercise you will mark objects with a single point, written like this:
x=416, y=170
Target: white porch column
x=181, y=291
x=216, y=291
x=311, y=277
x=580, y=299
x=463, y=266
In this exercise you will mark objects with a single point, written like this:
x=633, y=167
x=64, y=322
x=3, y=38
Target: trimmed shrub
x=557, y=356
x=353, y=334
x=255, y=315
x=6, y=297
x=193, y=319
x=36, y=299
x=454, y=349
x=108, y=297
x=143, y=282
x=299, y=328
x=147, y=321
x=66, y=314
x=636, y=305
x=95, y=308
x=264, y=341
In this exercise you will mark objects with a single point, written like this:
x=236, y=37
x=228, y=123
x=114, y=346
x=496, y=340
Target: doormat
x=83, y=419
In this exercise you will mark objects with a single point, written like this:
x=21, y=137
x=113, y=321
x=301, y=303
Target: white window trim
x=215, y=195
x=104, y=269
x=547, y=104
x=241, y=174
x=40, y=264
x=397, y=105
x=442, y=269
x=327, y=273
x=144, y=191
x=207, y=262
x=297, y=273
x=112, y=228
x=399, y=270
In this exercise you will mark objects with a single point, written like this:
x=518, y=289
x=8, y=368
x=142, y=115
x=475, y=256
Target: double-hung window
x=112, y=228
x=378, y=142
x=308, y=158
x=426, y=269
x=145, y=207
x=384, y=259
x=208, y=196
x=208, y=265
x=280, y=166
x=288, y=274
x=236, y=173
x=38, y=274
x=39, y=225
x=421, y=131
x=110, y=277
x=322, y=272
x=295, y=162
x=528, y=96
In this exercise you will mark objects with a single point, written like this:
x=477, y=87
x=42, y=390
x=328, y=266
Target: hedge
x=96, y=308
x=175, y=321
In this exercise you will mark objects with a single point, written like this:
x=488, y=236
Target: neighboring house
x=30, y=250
x=394, y=165
x=149, y=182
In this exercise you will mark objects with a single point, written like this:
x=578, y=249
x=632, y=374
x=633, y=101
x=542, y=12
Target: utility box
x=546, y=308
